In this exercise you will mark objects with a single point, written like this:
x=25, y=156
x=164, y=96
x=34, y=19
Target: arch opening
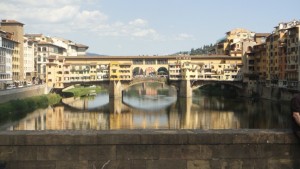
x=150, y=71
x=137, y=72
x=162, y=72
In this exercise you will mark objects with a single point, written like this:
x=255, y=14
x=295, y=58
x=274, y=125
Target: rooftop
x=262, y=34
x=154, y=57
x=81, y=45
x=6, y=21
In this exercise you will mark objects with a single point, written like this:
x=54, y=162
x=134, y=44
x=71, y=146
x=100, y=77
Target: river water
x=156, y=107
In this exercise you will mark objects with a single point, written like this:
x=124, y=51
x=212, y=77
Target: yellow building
x=292, y=57
x=260, y=62
x=236, y=42
x=63, y=70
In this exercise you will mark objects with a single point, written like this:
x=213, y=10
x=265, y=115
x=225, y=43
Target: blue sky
x=144, y=27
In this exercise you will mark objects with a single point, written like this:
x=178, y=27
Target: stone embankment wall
x=150, y=149
x=21, y=93
x=274, y=93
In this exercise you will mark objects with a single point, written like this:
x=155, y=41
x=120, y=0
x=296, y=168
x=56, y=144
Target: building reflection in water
x=152, y=110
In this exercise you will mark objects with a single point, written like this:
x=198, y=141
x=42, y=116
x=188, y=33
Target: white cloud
x=138, y=22
x=183, y=36
x=144, y=32
x=67, y=16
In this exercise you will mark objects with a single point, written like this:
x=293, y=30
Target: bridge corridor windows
x=137, y=61
x=150, y=61
x=162, y=61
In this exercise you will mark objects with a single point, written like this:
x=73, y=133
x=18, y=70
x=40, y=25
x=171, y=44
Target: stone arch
x=199, y=84
x=137, y=71
x=162, y=71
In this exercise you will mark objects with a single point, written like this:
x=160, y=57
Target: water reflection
x=156, y=109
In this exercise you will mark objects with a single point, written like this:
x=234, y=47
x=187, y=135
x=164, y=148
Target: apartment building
x=279, y=56
x=72, y=48
x=29, y=51
x=17, y=31
x=7, y=45
x=293, y=55
x=260, y=62
x=236, y=42
x=48, y=47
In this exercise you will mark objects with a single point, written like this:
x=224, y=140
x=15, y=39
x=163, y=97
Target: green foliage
x=206, y=49
x=79, y=91
x=53, y=99
x=17, y=109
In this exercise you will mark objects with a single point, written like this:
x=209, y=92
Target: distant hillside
x=206, y=49
x=94, y=54
x=182, y=53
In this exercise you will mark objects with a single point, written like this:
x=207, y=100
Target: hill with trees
x=204, y=50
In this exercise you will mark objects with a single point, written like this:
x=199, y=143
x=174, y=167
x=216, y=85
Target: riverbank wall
x=150, y=149
x=270, y=93
x=22, y=93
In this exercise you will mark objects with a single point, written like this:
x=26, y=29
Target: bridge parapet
x=147, y=79
x=158, y=149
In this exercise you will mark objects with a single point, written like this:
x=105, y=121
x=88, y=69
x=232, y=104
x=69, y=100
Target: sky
x=144, y=27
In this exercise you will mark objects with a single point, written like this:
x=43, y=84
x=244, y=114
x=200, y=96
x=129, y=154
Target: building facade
x=64, y=70
x=7, y=46
x=17, y=30
x=235, y=43
x=293, y=55
x=29, y=51
x=47, y=48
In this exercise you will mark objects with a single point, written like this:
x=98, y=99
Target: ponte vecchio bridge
x=119, y=72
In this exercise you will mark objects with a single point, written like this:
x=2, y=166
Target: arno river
x=156, y=107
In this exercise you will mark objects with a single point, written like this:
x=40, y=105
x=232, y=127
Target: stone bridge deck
x=150, y=149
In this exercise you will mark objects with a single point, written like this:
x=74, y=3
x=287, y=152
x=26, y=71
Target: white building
x=7, y=46
x=72, y=48
x=28, y=52
x=46, y=47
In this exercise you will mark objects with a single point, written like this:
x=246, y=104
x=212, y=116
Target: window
x=137, y=61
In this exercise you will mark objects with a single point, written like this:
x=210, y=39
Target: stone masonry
x=149, y=149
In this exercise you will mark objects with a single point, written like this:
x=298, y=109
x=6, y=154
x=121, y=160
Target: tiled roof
x=6, y=21
x=34, y=35
x=81, y=45
x=262, y=34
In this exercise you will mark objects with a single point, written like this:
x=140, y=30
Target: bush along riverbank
x=17, y=109
x=81, y=91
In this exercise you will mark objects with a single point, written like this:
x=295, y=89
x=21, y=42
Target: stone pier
x=115, y=89
x=185, y=89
